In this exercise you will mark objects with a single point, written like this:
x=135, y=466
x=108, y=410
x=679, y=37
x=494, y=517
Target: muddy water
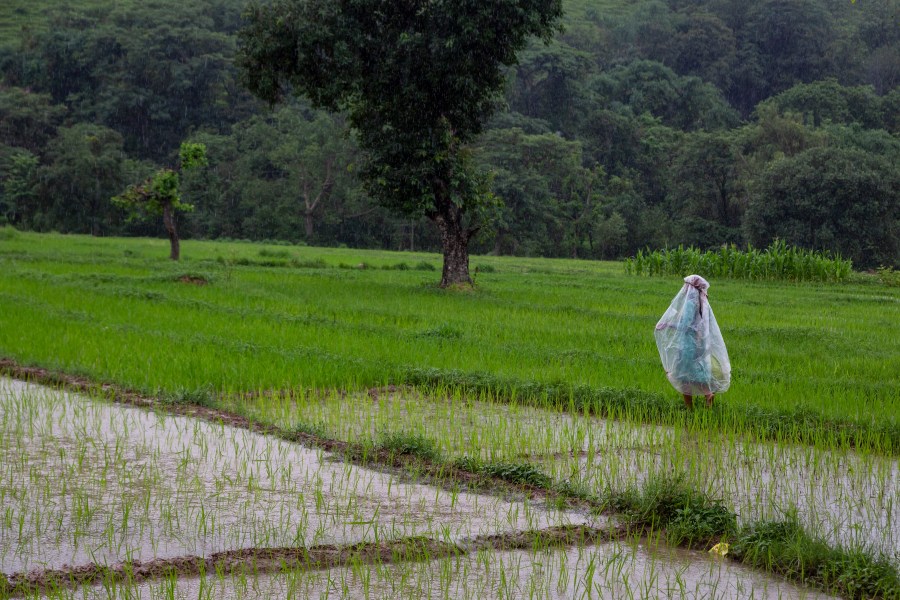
x=847, y=498
x=84, y=481
x=611, y=570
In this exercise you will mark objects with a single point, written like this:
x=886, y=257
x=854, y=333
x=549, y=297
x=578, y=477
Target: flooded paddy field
x=83, y=481
x=849, y=498
x=612, y=570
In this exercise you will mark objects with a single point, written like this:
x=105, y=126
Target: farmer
x=691, y=346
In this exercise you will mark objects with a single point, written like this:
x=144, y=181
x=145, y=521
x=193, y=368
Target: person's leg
x=709, y=399
x=689, y=401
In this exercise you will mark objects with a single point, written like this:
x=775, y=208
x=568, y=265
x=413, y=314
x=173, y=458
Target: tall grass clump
x=689, y=517
x=409, y=444
x=777, y=262
x=784, y=547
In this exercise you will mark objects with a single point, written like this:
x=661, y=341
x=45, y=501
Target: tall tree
x=417, y=79
x=839, y=199
x=85, y=167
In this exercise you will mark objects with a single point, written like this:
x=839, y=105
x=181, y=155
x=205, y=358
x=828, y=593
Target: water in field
x=845, y=497
x=84, y=481
x=608, y=571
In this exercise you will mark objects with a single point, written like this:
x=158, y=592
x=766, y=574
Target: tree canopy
x=675, y=112
x=417, y=80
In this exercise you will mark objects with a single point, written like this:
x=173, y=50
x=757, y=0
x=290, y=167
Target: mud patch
x=256, y=561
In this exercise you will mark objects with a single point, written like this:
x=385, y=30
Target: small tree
x=159, y=194
x=416, y=78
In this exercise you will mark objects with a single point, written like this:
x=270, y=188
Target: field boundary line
x=315, y=558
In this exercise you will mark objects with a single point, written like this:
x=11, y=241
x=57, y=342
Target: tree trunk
x=309, y=224
x=455, y=244
x=169, y=222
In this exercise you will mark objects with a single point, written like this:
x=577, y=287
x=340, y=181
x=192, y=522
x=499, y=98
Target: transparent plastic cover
x=690, y=344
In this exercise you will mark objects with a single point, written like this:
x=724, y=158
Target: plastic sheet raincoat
x=690, y=344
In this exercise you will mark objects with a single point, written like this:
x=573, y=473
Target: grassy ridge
x=115, y=309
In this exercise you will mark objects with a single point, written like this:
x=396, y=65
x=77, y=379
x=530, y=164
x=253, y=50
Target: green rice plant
x=318, y=430
x=785, y=548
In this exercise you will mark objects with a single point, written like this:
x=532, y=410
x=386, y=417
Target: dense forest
x=644, y=123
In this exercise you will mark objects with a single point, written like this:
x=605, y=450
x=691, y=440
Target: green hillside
x=17, y=16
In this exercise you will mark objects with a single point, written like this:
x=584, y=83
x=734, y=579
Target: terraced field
x=262, y=421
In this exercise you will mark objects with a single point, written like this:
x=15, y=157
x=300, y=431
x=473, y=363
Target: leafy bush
x=204, y=396
x=313, y=429
x=409, y=444
x=522, y=473
x=265, y=252
x=689, y=516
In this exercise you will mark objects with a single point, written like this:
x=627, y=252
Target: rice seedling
x=129, y=484
x=543, y=379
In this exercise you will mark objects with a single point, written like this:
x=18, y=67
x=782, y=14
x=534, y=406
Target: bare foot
x=709, y=399
x=689, y=401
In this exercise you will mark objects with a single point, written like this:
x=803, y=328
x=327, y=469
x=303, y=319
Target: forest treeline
x=645, y=123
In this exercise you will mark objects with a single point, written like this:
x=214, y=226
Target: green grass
x=112, y=309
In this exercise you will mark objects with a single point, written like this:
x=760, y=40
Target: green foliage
x=27, y=119
x=841, y=200
x=316, y=430
x=84, y=166
x=778, y=261
x=416, y=106
x=408, y=444
x=686, y=103
x=412, y=130
x=888, y=276
x=19, y=184
x=689, y=517
x=514, y=472
x=785, y=548
x=160, y=192
x=192, y=155
x=630, y=83
x=202, y=396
